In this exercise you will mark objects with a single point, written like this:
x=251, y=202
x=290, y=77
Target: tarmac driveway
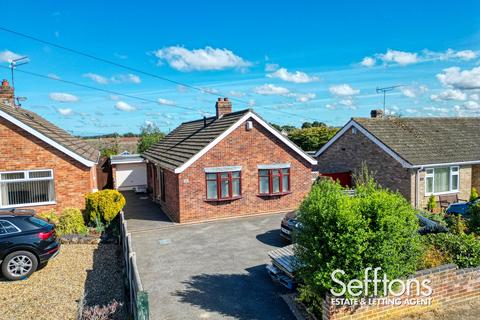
x=212, y=270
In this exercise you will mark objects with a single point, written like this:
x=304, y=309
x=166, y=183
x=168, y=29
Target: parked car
x=461, y=208
x=26, y=243
x=288, y=225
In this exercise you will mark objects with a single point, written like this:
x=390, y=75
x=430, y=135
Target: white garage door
x=131, y=175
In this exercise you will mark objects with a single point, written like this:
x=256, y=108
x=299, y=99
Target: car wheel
x=19, y=265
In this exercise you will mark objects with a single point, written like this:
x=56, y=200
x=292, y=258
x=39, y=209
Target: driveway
x=212, y=270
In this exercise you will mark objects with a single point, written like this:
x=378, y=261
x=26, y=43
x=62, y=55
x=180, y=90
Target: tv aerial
x=14, y=63
x=384, y=90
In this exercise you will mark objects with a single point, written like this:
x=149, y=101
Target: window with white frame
x=22, y=188
x=441, y=180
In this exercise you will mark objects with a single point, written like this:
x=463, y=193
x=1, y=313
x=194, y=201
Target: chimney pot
x=225, y=99
x=219, y=99
x=5, y=83
x=376, y=113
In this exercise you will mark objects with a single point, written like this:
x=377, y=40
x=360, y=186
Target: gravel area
x=80, y=270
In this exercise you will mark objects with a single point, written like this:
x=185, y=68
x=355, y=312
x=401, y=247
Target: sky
x=291, y=61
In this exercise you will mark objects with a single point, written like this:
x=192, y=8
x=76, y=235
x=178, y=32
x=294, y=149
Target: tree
x=375, y=228
x=110, y=148
x=149, y=135
x=313, y=138
x=306, y=125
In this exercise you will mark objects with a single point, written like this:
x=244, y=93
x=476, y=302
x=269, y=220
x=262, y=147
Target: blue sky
x=291, y=61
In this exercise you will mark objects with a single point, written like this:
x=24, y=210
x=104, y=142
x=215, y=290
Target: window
x=223, y=185
x=6, y=227
x=274, y=181
x=22, y=188
x=441, y=180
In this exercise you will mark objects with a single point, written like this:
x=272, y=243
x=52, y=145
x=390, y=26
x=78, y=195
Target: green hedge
x=461, y=249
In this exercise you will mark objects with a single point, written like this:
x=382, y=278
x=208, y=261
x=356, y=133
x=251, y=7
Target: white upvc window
x=26, y=188
x=442, y=180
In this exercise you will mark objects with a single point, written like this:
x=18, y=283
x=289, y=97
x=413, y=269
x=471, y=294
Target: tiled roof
x=48, y=129
x=190, y=138
x=422, y=141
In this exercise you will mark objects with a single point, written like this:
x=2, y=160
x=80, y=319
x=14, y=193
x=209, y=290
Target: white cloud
x=343, y=90
x=346, y=102
x=166, y=102
x=123, y=106
x=460, y=79
x=126, y=78
x=405, y=58
x=331, y=106
x=270, y=67
x=474, y=96
x=148, y=123
x=210, y=90
x=368, y=62
x=65, y=112
x=449, y=94
x=399, y=57
x=251, y=103
x=237, y=94
x=411, y=110
x=270, y=89
x=96, y=77
x=53, y=76
x=408, y=92
x=63, y=97
x=296, y=77
x=208, y=58
x=437, y=110
x=305, y=97
x=114, y=97
x=450, y=54
x=8, y=56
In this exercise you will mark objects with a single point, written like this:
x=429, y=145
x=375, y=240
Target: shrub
x=376, y=228
x=433, y=257
x=474, y=218
x=50, y=215
x=473, y=194
x=103, y=206
x=437, y=217
x=432, y=203
x=456, y=224
x=463, y=249
x=71, y=222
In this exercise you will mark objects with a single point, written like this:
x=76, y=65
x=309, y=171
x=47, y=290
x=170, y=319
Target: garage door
x=131, y=175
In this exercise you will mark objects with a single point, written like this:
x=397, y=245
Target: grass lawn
x=88, y=271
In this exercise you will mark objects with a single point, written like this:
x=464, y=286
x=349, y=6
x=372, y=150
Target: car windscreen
x=38, y=222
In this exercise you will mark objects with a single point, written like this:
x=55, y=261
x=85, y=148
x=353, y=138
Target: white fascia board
x=235, y=126
x=46, y=139
x=446, y=164
x=371, y=137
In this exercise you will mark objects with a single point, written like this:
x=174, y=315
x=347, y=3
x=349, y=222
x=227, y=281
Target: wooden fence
x=138, y=298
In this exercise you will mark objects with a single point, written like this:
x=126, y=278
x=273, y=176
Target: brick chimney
x=378, y=113
x=223, y=106
x=6, y=93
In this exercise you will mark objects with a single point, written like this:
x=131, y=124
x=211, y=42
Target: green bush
x=432, y=203
x=71, y=222
x=473, y=194
x=437, y=217
x=463, y=249
x=474, y=218
x=50, y=215
x=103, y=206
x=456, y=224
x=376, y=228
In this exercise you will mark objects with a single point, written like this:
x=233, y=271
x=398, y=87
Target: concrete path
x=212, y=270
x=142, y=213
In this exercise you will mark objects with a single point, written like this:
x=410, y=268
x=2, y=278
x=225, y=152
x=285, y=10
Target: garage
x=129, y=172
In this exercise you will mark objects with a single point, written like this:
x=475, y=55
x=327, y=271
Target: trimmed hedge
x=71, y=222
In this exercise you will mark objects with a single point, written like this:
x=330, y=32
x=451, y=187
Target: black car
x=26, y=243
x=289, y=224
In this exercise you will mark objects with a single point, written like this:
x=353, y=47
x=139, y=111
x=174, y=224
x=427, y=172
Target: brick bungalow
x=41, y=166
x=418, y=157
x=232, y=164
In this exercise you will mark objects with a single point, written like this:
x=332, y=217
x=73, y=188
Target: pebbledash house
x=42, y=167
x=232, y=164
x=419, y=157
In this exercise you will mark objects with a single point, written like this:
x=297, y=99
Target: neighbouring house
x=418, y=157
x=41, y=166
x=232, y=164
x=129, y=172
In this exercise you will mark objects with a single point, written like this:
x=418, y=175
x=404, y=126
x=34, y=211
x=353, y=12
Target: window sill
x=269, y=195
x=37, y=204
x=223, y=200
x=441, y=193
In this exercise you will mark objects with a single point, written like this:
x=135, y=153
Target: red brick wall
x=450, y=287
x=20, y=150
x=247, y=149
